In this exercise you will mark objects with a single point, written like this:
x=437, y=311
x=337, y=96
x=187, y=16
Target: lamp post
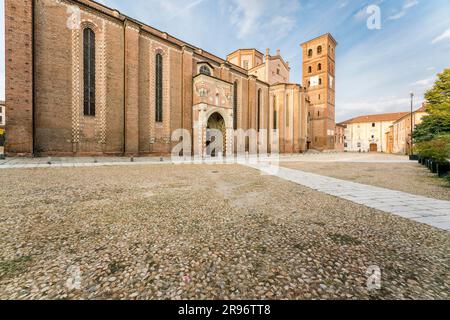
x=412, y=125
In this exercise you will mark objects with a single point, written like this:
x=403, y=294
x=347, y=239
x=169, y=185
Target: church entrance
x=215, y=122
x=373, y=147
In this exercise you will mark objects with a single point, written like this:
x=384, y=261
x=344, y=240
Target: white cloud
x=343, y=4
x=424, y=82
x=444, y=36
x=382, y=105
x=177, y=11
x=263, y=18
x=408, y=4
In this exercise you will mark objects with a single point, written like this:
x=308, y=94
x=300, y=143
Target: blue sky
x=376, y=69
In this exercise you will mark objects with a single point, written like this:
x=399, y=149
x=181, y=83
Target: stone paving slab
x=421, y=209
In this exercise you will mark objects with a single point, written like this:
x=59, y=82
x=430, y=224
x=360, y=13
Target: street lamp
x=412, y=124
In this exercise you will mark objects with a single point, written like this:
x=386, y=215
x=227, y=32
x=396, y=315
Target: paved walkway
x=433, y=212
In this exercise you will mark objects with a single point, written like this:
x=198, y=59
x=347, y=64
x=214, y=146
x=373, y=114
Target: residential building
x=368, y=133
x=2, y=116
x=399, y=134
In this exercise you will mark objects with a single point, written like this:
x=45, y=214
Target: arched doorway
x=373, y=147
x=215, y=122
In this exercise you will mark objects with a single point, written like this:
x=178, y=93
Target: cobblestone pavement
x=409, y=177
x=204, y=232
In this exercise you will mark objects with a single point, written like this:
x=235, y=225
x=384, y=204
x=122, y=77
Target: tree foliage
x=433, y=134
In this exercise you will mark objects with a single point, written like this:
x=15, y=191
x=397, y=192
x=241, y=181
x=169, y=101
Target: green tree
x=437, y=123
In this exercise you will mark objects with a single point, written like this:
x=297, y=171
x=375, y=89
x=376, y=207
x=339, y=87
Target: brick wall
x=124, y=122
x=19, y=76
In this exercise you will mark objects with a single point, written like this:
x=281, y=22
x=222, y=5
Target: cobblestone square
x=204, y=232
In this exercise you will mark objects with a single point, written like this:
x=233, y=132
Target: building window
x=319, y=66
x=246, y=64
x=235, y=105
x=373, y=125
x=159, y=88
x=319, y=50
x=89, y=71
x=278, y=71
x=258, y=111
x=205, y=70
x=320, y=81
x=309, y=69
x=310, y=53
x=319, y=96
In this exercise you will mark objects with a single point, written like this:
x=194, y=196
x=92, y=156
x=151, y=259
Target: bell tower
x=319, y=79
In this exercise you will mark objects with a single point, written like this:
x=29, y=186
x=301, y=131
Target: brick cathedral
x=84, y=79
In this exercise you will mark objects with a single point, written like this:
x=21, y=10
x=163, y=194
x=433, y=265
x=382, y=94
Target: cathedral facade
x=84, y=79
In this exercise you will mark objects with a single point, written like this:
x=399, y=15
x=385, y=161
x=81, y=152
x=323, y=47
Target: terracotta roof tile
x=377, y=117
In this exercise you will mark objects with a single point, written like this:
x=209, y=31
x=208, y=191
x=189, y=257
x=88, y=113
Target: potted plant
x=438, y=151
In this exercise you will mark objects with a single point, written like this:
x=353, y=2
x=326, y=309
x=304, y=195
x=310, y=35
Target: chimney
x=278, y=52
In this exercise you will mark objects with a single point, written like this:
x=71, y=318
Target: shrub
x=438, y=148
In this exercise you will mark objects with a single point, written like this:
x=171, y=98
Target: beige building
x=368, y=133
x=84, y=79
x=2, y=115
x=399, y=134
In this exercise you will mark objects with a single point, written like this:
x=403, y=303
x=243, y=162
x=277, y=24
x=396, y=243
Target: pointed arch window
x=235, y=105
x=159, y=88
x=89, y=71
